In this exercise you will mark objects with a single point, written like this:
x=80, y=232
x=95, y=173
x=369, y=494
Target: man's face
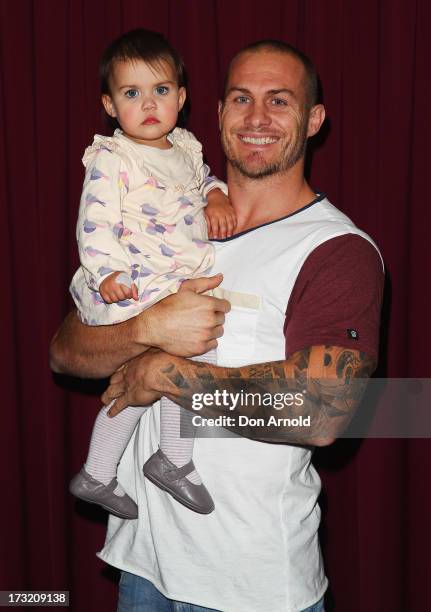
x=264, y=119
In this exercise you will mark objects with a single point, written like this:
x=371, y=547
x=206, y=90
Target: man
x=295, y=263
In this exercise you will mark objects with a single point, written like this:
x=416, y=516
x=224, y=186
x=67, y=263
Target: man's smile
x=257, y=140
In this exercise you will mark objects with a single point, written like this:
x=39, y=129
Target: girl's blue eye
x=132, y=93
x=162, y=90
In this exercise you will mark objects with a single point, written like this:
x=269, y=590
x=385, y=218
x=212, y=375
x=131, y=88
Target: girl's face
x=145, y=101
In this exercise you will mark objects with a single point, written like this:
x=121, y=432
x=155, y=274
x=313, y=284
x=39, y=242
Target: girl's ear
x=108, y=105
x=181, y=97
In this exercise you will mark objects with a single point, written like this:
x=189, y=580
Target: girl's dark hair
x=150, y=47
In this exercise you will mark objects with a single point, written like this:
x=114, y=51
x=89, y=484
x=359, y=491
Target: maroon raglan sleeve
x=336, y=299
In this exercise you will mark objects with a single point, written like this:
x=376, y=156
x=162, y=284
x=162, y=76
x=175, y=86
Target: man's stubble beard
x=285, y=161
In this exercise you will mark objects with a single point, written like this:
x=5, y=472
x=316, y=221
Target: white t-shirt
x=259, y=549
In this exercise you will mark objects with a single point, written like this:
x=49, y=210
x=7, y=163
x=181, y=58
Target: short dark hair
x=150, y=47
x=312, y=85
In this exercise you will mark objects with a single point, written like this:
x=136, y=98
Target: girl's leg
x=177, y=431
x=109, y=440
x=171, y=468
x=96, y=482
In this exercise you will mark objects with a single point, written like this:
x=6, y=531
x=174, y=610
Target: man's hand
x=135, y=383
x=187, y=323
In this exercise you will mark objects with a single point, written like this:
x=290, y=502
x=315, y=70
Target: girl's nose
x=148, y=103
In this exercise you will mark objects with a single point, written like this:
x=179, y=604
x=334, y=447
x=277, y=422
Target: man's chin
x=255, y=169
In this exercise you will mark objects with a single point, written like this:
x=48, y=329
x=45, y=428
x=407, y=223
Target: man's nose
x=258, y=115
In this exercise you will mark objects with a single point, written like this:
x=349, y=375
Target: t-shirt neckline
x=319, y=197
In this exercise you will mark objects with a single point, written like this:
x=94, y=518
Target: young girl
x=141, y=231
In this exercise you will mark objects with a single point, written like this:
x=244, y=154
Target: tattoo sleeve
x=321, y=384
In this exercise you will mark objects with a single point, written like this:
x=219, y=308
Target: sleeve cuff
x=212, y=182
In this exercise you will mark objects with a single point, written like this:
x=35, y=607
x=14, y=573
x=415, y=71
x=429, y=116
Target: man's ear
x=220, y=111
x=108, y=105
x=315, y=119
x=182, y=95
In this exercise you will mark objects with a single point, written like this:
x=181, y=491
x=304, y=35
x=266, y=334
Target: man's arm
x=184, y=324
x=330, y=380
x=93, y=352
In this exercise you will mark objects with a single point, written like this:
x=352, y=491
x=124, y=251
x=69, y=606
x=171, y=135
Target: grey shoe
x=91, y=490
x=172, y=479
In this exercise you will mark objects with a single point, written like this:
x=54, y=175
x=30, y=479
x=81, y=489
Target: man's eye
x=278, y=102
x=241, y=99
x=162, y=90
x=132, y=93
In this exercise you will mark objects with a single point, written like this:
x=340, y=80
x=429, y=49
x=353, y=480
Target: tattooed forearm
x=324, y=383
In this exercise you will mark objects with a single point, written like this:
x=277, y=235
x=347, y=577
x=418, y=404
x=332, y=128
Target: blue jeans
x=137, y=594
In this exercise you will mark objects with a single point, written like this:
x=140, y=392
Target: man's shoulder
x=346, y=247
x=329, y=223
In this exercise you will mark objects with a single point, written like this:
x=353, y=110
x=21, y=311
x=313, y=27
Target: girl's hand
x=220, y=215
x=112, y=290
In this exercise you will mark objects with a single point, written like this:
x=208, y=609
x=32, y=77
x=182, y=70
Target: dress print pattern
x=146, y=223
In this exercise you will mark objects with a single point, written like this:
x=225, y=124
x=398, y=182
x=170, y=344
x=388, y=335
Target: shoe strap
x=177, y=473
x=96, y=483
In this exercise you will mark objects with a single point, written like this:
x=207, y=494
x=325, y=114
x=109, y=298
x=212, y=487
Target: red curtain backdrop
x=374, y=61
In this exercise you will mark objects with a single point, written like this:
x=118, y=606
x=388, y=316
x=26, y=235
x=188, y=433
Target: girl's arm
x=219, y=213
x=99, y=226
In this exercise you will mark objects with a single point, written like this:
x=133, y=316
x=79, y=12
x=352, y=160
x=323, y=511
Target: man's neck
x=259, y=201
